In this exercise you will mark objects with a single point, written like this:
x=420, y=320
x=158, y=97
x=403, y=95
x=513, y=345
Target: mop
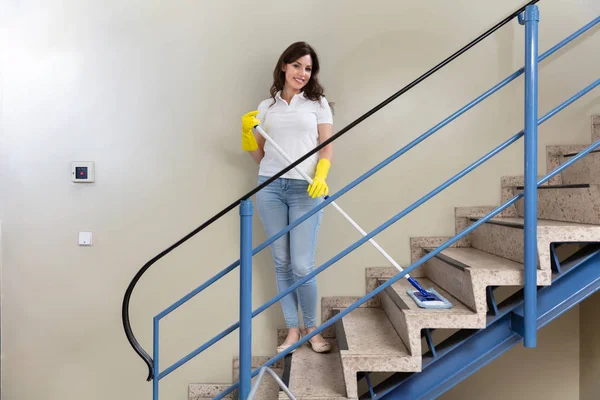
x=423, y=298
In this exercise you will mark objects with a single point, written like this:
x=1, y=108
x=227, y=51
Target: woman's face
x=298, y=73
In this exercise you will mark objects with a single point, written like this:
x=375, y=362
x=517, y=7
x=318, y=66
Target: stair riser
x=510, y=185
x=585, y=170
x=554, y=155
x=500, y=240
x=456, y=281
x=396, y=317
x=462, y=221
x=419, y=244
x=580, y=205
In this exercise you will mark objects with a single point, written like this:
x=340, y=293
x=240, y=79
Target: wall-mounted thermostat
x=82, y=171
x=85, y=238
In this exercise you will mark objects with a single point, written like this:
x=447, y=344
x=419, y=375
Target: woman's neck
x=287, y=94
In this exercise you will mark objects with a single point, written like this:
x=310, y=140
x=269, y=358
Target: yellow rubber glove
x=249, y=121
x=319, y=187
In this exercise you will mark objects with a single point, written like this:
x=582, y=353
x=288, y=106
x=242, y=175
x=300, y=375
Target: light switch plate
x=85, y=238
x=83, y=171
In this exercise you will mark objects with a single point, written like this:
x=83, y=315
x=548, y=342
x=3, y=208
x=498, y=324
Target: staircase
x=480, y=275
x=384, y=345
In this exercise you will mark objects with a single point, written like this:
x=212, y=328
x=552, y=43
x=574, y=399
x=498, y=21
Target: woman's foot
x=317, y=342
x=292, y=337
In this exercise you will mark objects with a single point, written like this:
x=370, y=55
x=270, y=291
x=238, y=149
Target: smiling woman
x=294, y=70
x=297, y=117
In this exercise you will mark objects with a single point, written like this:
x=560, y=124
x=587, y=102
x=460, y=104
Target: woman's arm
x=319, y=187
x=259, y=153
x=325, y=132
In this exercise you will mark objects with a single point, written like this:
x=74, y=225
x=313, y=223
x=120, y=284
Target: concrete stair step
x=409, y=319
x=315, y=376
x=554, y=154
x=467, y=272
x=268, y=389
x=504, y=237
x=201, y=391
x=369, y=343
x=585, y=170
x=571, y=203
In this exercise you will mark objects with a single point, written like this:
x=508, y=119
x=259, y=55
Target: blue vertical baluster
x=370, y=385
x=155, y=373
x=245, y=298
x=530, y=20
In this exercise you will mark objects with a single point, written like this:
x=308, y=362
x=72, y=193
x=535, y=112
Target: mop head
x=436, y=300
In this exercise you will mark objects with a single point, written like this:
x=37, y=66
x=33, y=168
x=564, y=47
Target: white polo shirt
x=294, y=128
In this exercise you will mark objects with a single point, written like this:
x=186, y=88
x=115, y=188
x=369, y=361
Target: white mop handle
x=283, y=153
x=309, y=180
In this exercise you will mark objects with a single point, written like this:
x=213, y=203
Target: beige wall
x=590, y=348
x=1, y=307
x=153, y=92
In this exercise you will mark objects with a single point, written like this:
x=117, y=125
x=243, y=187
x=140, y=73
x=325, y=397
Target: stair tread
x=401, y=287
x=562, y=187
x=541, y=222
x=202, y=391
x=316, y=376
x=590, y=154
x=476, y=259
x=268, y=389
x=370, y=332
x=516, y=180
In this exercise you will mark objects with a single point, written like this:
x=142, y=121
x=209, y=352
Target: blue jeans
x=278, y=205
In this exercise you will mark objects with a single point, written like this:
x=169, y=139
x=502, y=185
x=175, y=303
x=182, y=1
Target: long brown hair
x=313, y=89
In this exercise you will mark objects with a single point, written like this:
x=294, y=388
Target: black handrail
x=125, y=309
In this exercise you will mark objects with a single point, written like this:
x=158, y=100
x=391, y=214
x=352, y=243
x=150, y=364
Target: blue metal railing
x=531, y=122
x=446, y=244
x=137, y=347
x=530, y=19
x=245, y=298
x=366, y=175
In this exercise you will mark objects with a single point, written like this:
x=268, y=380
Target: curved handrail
x=126, y=300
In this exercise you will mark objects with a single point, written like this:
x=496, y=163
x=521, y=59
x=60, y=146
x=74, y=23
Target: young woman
x=297, y=117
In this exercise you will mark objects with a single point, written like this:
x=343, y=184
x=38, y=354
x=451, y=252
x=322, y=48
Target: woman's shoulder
x=264, y=105
x=323, y=103
x=320, y=102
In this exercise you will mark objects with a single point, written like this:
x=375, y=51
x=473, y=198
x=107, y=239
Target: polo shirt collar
x=300, y=95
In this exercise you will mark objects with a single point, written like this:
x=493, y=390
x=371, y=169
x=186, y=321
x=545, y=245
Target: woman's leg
x=303, y=241
x=273, y=212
